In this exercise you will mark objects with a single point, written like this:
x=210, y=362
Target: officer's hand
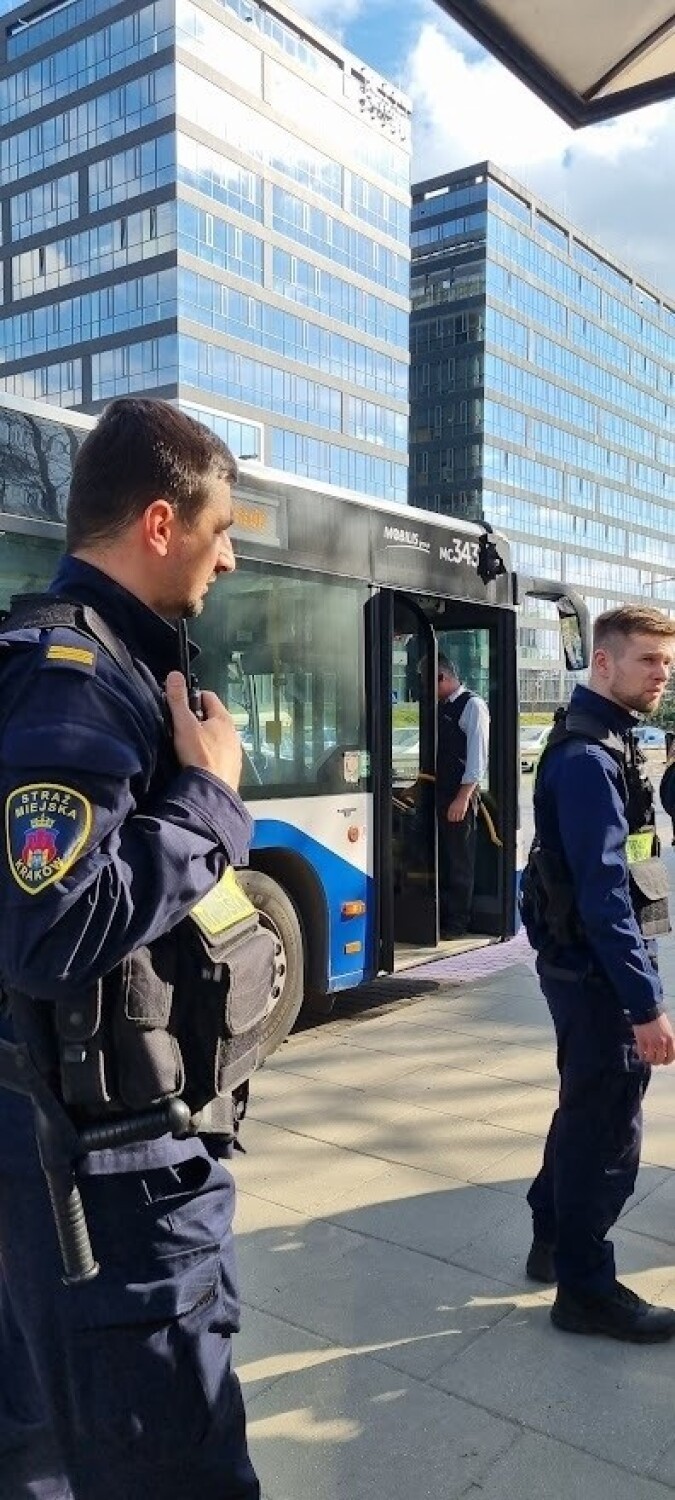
x=211, y=744
x=655, y=1041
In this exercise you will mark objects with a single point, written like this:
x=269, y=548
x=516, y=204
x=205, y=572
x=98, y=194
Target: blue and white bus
x=315, y=644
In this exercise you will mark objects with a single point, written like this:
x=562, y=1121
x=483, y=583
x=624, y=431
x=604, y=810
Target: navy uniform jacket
x=89, y=779
x=580, y=813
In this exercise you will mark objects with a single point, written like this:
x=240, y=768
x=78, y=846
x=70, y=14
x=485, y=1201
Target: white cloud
x=616, y=181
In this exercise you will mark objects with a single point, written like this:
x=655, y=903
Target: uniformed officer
x=113, y=833
x=592, y=895
x=461, y=763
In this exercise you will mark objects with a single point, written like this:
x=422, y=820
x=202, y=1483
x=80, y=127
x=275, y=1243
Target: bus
x=323, y=645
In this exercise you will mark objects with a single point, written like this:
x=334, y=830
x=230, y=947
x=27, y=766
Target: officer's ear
x=158, y=524
x=603, y=665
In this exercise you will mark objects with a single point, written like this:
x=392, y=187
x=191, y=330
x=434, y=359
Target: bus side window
x=299, y=702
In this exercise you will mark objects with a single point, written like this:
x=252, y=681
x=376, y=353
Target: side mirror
x=493, y=559
x=575, y=621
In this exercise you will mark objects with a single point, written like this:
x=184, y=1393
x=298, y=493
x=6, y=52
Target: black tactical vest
x=179, y=1018
x=547, y=900
x=451, y=751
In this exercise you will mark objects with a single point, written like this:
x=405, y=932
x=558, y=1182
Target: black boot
x=539, y=1265
x=620, y=1315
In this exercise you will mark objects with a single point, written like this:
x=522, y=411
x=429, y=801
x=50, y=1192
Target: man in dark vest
x=594, y=897
x=461, y=763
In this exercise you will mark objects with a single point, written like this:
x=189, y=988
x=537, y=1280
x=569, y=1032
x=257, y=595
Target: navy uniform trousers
x=135, y=1396
x=456, y=869
x=592, y=1153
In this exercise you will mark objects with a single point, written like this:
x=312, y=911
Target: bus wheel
x=278, y=914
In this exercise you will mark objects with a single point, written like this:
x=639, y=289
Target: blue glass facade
x=212, y=204
x=542, y=399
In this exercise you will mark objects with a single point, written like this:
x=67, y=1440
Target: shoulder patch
x=46, y=828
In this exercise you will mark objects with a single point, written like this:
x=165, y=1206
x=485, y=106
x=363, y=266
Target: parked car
x=533, y=737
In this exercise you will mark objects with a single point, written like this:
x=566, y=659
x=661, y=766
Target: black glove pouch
x=223, y=990
x=649, y=890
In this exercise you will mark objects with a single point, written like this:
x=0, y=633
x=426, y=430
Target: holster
x=547, y=898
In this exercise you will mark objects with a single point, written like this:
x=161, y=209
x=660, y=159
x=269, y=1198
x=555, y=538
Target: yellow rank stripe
x=71, y=653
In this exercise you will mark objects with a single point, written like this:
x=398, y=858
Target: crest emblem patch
x=46, y=827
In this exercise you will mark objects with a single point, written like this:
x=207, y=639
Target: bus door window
x=413, y=842
x=405, y=711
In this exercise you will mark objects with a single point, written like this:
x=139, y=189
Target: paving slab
x=392, y=1345
x=407, y=1309
x=537, y=1468
x=411, y=1211
x=655, y=1214
x=424, y=1043
x=595, y=1394
x=269, y=1349
x=658, y=1147
x=288, y=1168
x=386, y=1130
x=341, y=1064
x=474, y=1096
x=352, y=1429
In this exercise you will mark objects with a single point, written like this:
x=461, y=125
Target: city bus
x=323, y=644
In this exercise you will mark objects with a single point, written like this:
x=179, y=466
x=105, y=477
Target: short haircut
x=141, y=450
x=446, y=665
x=616, y=625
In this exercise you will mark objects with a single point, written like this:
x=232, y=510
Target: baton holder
x=61, y=1145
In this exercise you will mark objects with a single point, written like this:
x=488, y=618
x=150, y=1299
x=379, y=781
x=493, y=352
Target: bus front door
x=411, y=632
x=480, y=642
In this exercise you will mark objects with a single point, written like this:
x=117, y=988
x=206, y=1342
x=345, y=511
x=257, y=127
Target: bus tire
x=278, y=914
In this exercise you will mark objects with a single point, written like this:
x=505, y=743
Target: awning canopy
x=589, y=59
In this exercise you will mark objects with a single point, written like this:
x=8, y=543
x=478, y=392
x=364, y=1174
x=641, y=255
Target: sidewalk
x=391, y=1345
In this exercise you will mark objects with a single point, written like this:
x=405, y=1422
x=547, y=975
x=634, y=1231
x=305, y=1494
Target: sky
x=616, y=181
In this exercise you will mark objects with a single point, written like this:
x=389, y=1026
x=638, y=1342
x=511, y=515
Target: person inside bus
x=461, y=763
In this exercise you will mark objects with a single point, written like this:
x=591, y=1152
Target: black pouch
x=224, y=984
x=147, y=1056
x=547, y=897
x=84, y=1068
x=649, y=890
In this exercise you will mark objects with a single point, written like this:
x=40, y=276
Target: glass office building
x=542, y=399
x=209, y=200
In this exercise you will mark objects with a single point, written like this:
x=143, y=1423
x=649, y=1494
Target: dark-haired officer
x=594, y=897
x=115, y=829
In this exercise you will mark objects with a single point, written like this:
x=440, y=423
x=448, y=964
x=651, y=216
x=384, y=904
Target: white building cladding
x=209, y=201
